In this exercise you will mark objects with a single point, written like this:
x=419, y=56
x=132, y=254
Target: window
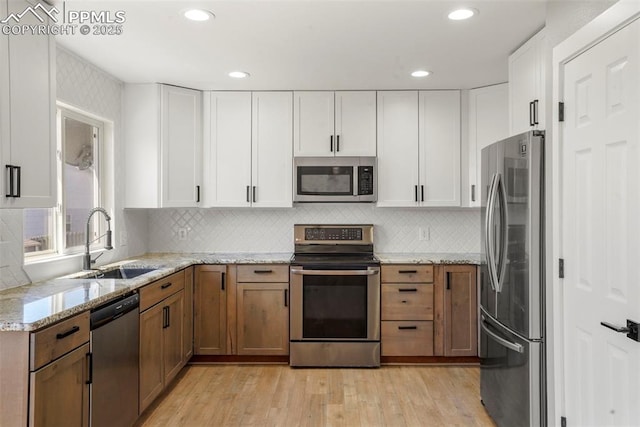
x=62, y=230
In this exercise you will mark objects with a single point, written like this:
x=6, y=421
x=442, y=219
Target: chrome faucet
x=87, y=261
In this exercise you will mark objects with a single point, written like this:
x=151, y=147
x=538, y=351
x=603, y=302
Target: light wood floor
x=277, y=395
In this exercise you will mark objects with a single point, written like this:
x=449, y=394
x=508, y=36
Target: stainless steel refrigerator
x=512, y=312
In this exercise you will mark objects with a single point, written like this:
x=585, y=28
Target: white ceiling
x=311, y=44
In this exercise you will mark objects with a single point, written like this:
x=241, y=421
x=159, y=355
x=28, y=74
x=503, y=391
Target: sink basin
x=124, y=273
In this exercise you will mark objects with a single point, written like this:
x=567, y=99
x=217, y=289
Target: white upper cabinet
x=248, y=149
x=163, y=145
x=488, y=123
x=527, y=86
x=419, y=148
x=439, y=149
x=328, y=124
x=227, y=148
x=27, y=115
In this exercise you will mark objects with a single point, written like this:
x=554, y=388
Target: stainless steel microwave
x=335, y=179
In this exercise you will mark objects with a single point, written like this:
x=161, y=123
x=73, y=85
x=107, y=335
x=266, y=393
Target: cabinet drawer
x=407, y=338
x=155, y=292
x=408, y=301
x=54, y=341
x=262, y=273
x=407, y=273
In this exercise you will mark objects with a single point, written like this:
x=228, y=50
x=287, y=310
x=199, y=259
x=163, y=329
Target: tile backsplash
x=271, y=230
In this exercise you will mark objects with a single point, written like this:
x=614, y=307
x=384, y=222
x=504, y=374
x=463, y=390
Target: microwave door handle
x=504, y=222
x=488, y=229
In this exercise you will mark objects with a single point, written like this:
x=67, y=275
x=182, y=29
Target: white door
x=313, y=131
x=228, y=149
x=398, y=148
x=271, y=146
x=355, y=123
x=439, y=148
x=600, y=212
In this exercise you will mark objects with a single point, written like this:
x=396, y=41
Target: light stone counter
x=33, y=306
x=429, y=258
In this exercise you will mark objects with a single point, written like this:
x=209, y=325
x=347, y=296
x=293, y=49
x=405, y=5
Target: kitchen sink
x=124, y=272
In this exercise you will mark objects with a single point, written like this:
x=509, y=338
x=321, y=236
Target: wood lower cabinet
x=458, y=319
x=407, y=310
x=210, y=310
x=161, y=335
x=188, y=313
x=60, y=392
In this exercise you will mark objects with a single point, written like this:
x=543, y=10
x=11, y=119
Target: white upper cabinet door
x=313, y=118
x=272, y=149
x=181, y=146
x=227, y=148
x=526, y=86
x=355, y=124
x=439, y=129
x=28, y=120
x=488, y=123
x=398, y=148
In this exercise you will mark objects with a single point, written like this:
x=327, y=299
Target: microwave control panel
x=365, y=180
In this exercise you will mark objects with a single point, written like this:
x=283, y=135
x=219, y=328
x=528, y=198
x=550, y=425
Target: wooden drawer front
x=262, y=273
x=155, y=292
x=407, y=273
x=407, y=338
x=54, y=341
x=407, y=301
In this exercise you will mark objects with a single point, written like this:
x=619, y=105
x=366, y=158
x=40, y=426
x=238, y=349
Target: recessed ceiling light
x=460, y=14
x=238, y=74
x=420, y=73
x=198, y=14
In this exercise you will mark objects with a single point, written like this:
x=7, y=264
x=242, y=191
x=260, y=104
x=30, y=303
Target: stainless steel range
x=335, y=297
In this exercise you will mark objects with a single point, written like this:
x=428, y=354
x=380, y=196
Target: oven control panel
x=333, y=234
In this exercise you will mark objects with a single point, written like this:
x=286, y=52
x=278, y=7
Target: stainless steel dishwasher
x=115, y=353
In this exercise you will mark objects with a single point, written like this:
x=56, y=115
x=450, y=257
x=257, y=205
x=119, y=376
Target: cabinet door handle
x=531, y=114
x=407, y=327
x=254, y=194
x=407, y=271
x=248, y=194
x=89, y=358
x=71, y=331
x=408, y=290
x=473, y=193
x=286, y=304
x=337, y=143
x=262, y=271
x=422, y=192
x=19, y=170
x=331, y=143
x=166, y=285
x=415, y=192
x=448, y=280
x=222, y=282
x=168, y=316
x=535, y=112
x=197, y=194
x=9, y=192
x=164, y=318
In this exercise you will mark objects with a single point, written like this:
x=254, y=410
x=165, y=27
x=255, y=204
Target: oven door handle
x=302, y=272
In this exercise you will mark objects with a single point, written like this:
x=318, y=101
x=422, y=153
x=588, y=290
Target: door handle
x=422, y=193
x=531, y=123
x=473, y=193
x=631, y=329
x=89, y=357
x=535, y=112
x=248, y=194
x=222, y=282
x=448, y=280
x=337, y=143
x=504, y=230
x=286, y=304
x=508, y=344
x=254, y=194
x=488, y=241
x=197, y=194
x=331, y=143
x=415, y=191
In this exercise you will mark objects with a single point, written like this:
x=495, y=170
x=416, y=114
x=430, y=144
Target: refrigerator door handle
x=505, y=343
x=504, y=222
x=489, y=241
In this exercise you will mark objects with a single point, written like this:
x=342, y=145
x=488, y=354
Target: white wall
x=271, y=230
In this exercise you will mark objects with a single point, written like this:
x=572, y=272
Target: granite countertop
x=433, y=258
x=33, y=306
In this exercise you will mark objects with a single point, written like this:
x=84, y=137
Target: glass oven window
x=334, y=307
x=325, y=180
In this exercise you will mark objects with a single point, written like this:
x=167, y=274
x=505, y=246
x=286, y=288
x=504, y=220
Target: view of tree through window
x=63, y=228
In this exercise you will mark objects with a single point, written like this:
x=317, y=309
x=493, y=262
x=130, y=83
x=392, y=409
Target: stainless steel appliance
x=115, y=354
x=335, y=179
x=512, y=292
x=335, y=297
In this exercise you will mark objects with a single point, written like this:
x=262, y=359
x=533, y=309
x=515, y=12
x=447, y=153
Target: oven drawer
x=407, y=273
x=407, y=338
x=261, y=273
x=409, y=301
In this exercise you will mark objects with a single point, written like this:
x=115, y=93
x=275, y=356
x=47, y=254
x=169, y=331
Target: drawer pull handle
x=407, y=271
x=262, y=271
x=404, y=301
x=166, y=285
x=407, y=327
x=408, y=290
x=71, y=331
